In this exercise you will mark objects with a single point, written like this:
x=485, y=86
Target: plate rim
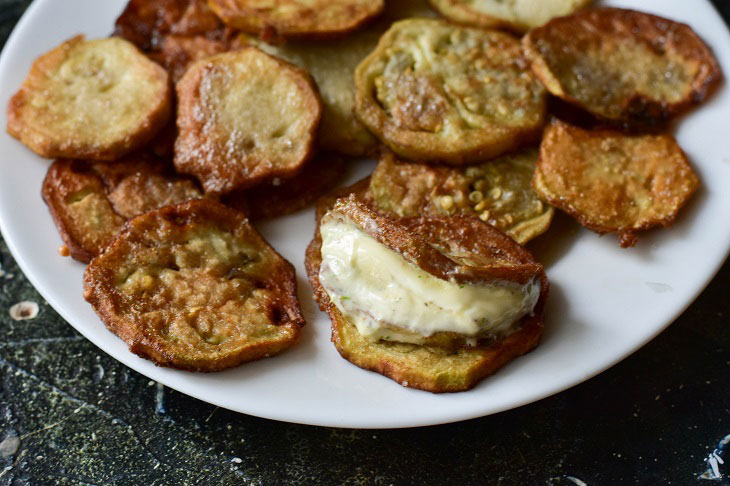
x=132, y=362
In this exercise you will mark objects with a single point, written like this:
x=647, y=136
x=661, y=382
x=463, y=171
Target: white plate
x=605, y=302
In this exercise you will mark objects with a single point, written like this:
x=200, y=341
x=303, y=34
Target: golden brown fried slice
x=96, y=99
x=146, y=24
x=174, y=33
x=332, y=65
x=282, y=197
x=244, y=117
x=459, y=249
x=498, y=191
x=431, y=368
x=515, y=15
x=84, y=216
x=296, y=18
x=435, y=92
x=611, y=182
x=195, y=287
x=90, y=202
x=623, y=66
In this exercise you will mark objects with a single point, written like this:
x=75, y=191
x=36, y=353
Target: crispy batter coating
x=296, y=18
x=282, y=197
x=461, y=249
x=174, y=33
x=244, y=117
x=89, y=202
x=195, y=287
x=611, y=182
x=332, y=65
x=623, y=66
x=516, y=15
x=498, y=191
x=96, y=99
x=435, y=92
x=84, y=216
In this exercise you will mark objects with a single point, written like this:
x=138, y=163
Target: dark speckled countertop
x=70, y=414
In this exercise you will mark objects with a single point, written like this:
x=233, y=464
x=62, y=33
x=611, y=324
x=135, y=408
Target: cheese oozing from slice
x=379, y=292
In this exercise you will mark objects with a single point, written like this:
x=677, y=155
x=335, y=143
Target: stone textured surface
x=69, y=414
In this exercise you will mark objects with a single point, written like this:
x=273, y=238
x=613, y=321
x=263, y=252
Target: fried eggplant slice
x=84, y=216
x=195, y=287
x=174, y=33
x=282, y=197
x=518, y=16
x=455, y=256
x=146, y=24
x=623, y=66
x=332, y=65
x=296, y=18
x=90, y=202
x=498, y=191
x=244, y=117
x=612, y=182
x=90, y=99
x=436, y=92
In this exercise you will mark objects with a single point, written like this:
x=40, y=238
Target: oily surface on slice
x=297, y=18
x=332, y=65
x=621, y=65
x=195, y=287
x=432, y=91
x=174, y=33
x=282, y=197
x=516, y=15
x=498, y=191
x=145, y=23
x=460, y=248
x=90, y=202
x=244, y=117
x=611, y=182
x=90, y=99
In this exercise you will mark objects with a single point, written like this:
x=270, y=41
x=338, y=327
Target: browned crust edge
x=273, y=31
x=480, y=20
x=48, y=192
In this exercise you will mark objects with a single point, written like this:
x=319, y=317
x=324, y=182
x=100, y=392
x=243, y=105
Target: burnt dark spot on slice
x=179, y=220
x=277, y=316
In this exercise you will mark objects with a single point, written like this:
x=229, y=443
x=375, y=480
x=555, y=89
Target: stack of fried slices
x=196, y=117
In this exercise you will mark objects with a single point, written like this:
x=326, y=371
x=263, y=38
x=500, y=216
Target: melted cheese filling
x=380, y=292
